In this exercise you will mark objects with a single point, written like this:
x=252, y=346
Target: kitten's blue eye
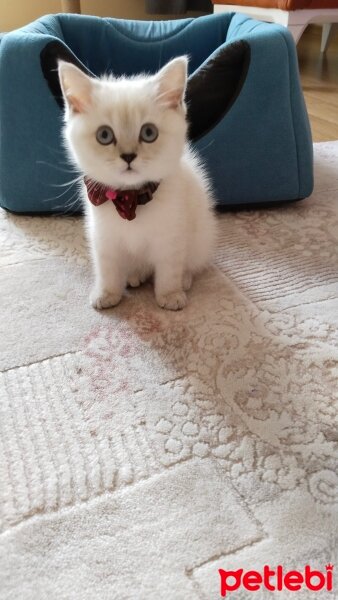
x=105, y=135
x=148, y=133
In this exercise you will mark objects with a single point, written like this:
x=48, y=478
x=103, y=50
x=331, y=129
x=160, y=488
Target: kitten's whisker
x=92, y=185
x=51, y=148
x=207, y=146
x=68, y=183
x=67, y=207
x=62, y=194
x=56, y=167
x=55, y=153
x=73, y=202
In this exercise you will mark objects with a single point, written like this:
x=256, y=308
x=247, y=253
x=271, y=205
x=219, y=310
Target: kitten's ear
x=172, y=80
x=76, y=87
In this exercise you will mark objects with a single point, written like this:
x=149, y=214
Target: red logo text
x=276, y=580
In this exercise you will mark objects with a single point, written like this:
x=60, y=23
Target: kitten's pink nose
x=128, y=157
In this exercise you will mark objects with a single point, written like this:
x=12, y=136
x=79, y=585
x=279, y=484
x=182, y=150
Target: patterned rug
x=141, y=450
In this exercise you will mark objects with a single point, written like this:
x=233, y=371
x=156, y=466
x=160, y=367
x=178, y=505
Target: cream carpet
x=142, y=450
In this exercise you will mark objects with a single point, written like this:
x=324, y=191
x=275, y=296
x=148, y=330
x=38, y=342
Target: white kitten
x=123, y=133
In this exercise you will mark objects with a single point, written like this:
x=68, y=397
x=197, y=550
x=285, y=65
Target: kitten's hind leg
x=137, y=277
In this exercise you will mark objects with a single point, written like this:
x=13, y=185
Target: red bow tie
x=125, y=201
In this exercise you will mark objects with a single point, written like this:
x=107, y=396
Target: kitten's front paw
x=172, y=301
x=104, y=299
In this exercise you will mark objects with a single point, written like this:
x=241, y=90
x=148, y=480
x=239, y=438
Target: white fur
x=172, y=237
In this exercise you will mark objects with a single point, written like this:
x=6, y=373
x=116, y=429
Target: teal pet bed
x=245, y=105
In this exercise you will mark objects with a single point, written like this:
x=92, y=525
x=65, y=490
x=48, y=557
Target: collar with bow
x=125, y=201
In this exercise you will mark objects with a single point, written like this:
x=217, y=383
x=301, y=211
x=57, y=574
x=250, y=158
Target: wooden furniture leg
x=328, y=30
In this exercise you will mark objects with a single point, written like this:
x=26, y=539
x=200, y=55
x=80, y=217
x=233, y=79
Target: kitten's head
x=127, y=131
